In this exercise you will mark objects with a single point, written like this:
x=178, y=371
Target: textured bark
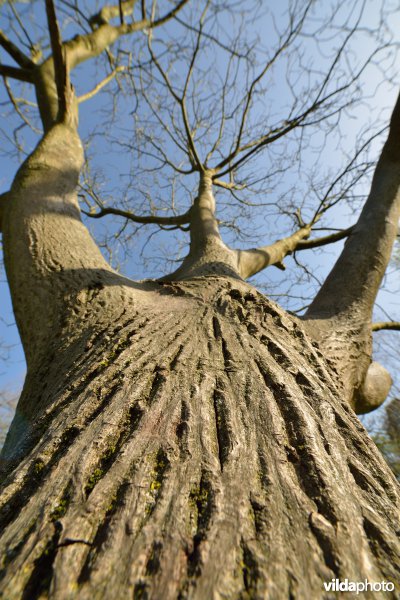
x=177, y=439
x=49, y=255
x=193, y=444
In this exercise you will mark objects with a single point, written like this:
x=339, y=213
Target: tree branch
x=254, y=260
x=100, y=85
x=353, y=283
x=3, y=200
x=60, y=62
x=148, y=219
x=386, y=325
x=17, y=108
x=170, y=15
x=323, y=241
x=228, y=185
x=293, y=30
x=82, y=48
x=15, y=73
x=339, y=316
x=181, y=101
x=122, y=9
x=107, y=13
x=20, y=58
x=242, y=153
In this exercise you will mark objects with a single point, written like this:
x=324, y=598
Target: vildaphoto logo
x=336, y=585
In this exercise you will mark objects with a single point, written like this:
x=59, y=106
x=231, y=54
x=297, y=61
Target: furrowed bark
x=176, y=439
x=53, y=265
x=196, y=448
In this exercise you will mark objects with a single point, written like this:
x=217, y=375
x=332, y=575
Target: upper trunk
x=340, y=315
x=50, y=256
x=208, y=255
x=196, y=448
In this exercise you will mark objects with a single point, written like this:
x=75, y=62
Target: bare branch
x=20, y=23
x=293, y=31
x=228, y=185
x=213, y=38
x=107, y=13
x=323, y=241
x=254, y=146
x=15, y=73
x=84, y=47
x=355, y=279
x=170, y=15
x=148, y=219
x=324, y=205
x=386, y=325
x=244, y=152
x=254, y=260
x=3, y=200
x=125, y=8
x=192, y=151
x=100, y=85
x=17, y=108
x=20, y=58
x=121, y=12
x=60, y=62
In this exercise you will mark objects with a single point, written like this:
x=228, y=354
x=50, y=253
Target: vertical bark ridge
x=212, y=456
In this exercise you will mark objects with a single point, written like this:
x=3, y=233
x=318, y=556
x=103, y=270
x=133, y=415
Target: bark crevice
x=206, y=465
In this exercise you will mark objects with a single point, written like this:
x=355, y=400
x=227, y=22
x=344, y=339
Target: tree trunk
x=190, y=441
x=184, y=438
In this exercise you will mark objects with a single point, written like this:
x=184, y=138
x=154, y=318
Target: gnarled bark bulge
x=174, y=439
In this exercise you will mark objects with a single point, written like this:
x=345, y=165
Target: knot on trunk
x=374, y=389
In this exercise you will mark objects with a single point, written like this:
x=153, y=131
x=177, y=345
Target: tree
x=187, y=437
